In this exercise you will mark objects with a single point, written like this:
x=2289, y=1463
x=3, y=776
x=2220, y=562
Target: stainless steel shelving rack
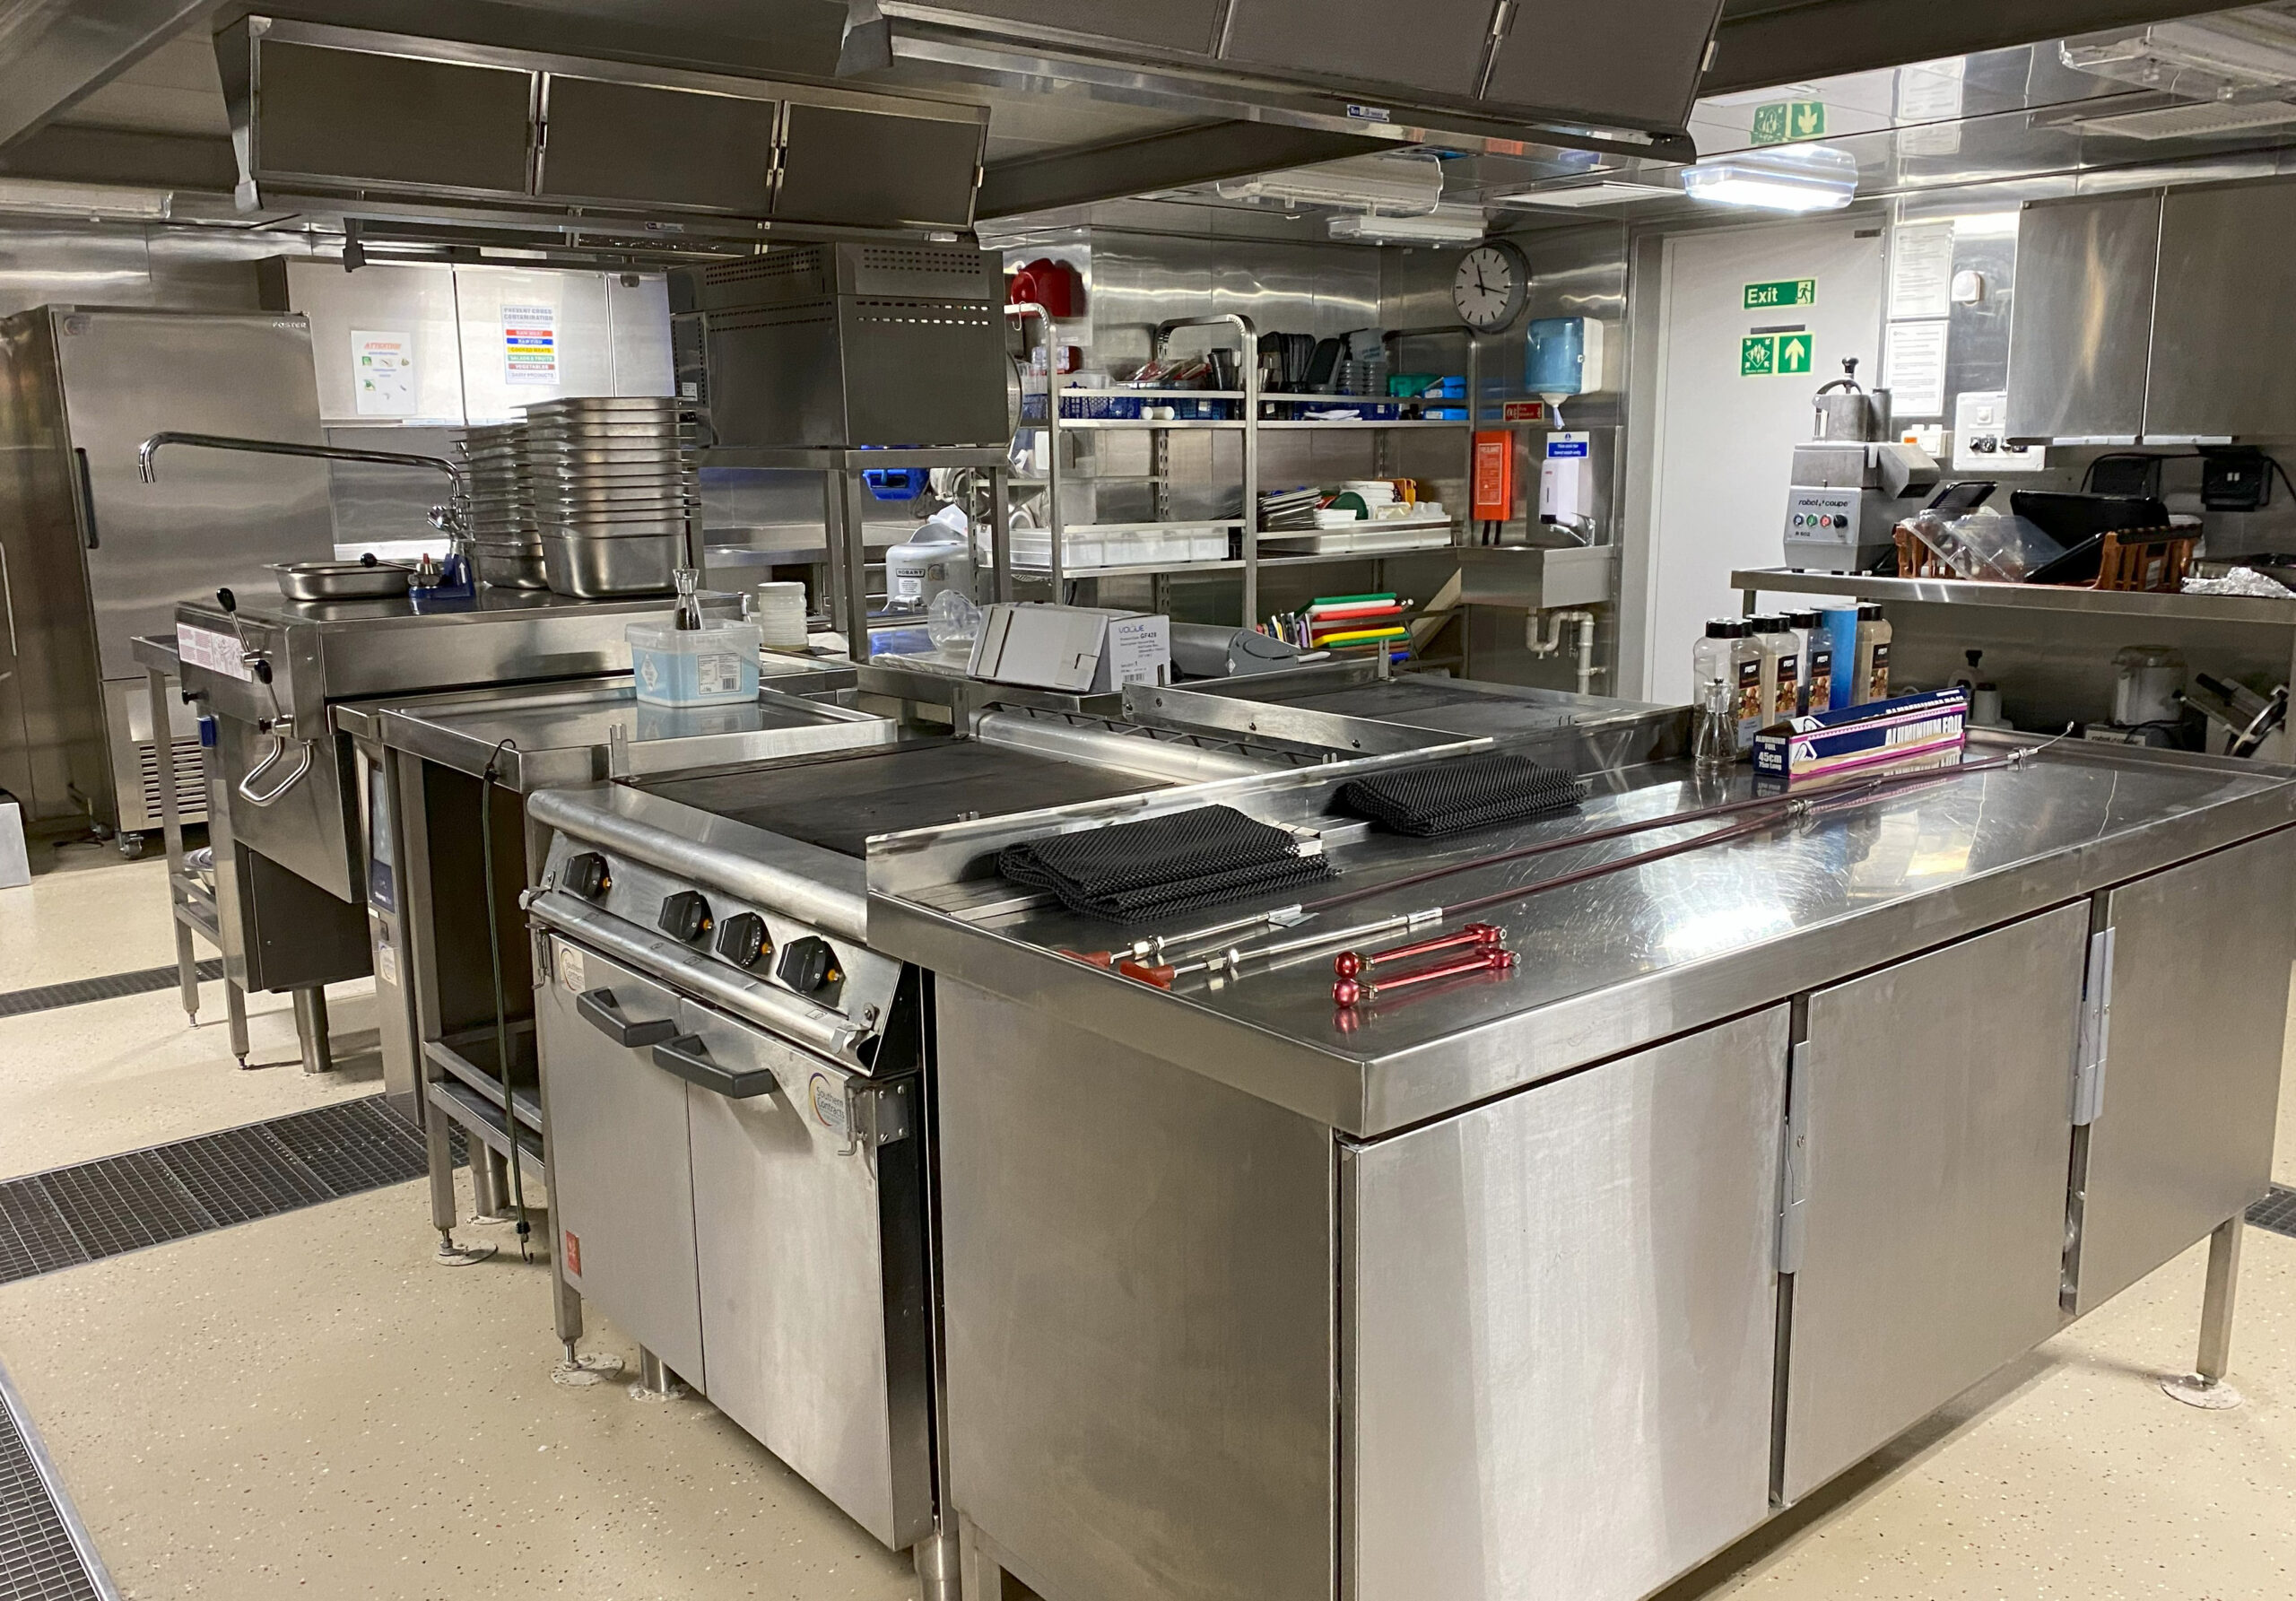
x=1249, y=425
x=847, y=499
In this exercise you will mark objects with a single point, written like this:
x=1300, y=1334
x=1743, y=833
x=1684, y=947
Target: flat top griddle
x=836, y=801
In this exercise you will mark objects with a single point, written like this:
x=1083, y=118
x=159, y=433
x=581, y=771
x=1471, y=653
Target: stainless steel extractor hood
x=1475, y=74
x=381, y=124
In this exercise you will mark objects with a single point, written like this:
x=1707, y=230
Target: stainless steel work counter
x=1557, y=1282
x=1607, y=964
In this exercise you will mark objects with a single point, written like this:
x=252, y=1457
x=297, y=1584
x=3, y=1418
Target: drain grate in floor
x=111, y=986
x=97, y=1209
x=2276, y=1210
x=44, y=1554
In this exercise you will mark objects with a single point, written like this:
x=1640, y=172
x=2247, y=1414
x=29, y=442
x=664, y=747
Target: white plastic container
x=698, y=666
x=780, y=616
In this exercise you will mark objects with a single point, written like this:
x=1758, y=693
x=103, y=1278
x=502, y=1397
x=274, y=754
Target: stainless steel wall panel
x=1157, y=1421
x=1561, y=1324
x=2191, y=1085
x=2079, y=347
x=799, y=1239
x=1938, y=1133
x=620, y=1162
x=2228, y=271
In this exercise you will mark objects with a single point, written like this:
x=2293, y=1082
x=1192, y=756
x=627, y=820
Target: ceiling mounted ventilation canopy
x=1508, y=76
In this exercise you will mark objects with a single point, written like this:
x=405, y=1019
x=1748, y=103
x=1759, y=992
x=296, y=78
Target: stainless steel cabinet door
x=1938, y=1128
x=1561, y=1330
x=2191, y=1083
x=813, y=1279
x=623, y=1196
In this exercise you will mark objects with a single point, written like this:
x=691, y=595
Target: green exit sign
x=1786, y=292
x=1781, y=121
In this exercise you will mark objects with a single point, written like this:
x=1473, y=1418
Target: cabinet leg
x=188, y=971
x=485, y=1194
x=655, y=1382
x=235, y=1013
x=937, y=1577
x=2204, y=1386
x=310, y=1029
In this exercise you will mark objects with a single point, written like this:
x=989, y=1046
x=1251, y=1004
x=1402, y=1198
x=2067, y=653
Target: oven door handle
x=688, y=1058
x=604, y=1013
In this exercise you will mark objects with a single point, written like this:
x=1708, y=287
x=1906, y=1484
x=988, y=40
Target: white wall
x=1721, y=444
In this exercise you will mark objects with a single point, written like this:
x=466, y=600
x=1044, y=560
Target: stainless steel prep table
x=423, y=771
x=1555, y=1284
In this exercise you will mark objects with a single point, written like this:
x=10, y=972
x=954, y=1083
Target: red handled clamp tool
x=1355, y=964
x=1489, y=959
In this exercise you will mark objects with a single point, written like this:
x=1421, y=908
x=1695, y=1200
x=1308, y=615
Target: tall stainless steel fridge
x=91, y=556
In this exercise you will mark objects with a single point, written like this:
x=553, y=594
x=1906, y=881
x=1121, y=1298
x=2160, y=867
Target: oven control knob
x=743, y=940
x=685, y=915
x=808, y=965
x=586, y=875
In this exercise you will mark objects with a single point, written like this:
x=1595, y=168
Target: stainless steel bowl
x=596, y=568
x=340, y=580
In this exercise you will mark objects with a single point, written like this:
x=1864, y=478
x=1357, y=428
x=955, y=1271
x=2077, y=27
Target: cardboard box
x=1082, y=650
x=1860, y=739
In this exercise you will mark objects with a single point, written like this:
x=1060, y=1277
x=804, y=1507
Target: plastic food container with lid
x=693, y=666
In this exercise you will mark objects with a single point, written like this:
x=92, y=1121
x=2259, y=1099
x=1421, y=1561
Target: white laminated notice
x=217, y=653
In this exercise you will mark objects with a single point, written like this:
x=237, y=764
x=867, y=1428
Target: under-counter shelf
x=483, y=1120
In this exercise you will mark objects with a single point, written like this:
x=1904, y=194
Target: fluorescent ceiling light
x=2191, y=119
x=1406, y=183
x=2212, y=58
x=1788, y=178
x=1609, y=192
x=1445, y=226
x=42, y=197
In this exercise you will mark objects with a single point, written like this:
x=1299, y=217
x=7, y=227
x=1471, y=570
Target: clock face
x=1491, y=285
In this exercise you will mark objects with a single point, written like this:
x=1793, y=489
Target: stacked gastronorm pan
x=614, y=486
x=499, y=513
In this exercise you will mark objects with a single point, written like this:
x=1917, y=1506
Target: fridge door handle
x=87, y=495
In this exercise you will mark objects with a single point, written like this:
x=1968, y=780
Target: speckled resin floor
x=305, y=1405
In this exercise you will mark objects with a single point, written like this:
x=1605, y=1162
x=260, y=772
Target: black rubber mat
x=111, y=986
x=2276, y=1210
x=40, y=1561
x=97, y=1209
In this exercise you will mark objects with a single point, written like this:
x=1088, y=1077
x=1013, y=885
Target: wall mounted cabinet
x=2144, y=317
x=394, y=121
